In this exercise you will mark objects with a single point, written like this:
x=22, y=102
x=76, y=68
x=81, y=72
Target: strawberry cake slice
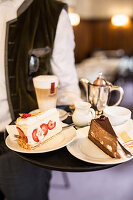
x=36, y=128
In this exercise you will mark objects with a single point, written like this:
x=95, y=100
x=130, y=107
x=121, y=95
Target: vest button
x=10, y=60
x=12, y=25
x=11, y=43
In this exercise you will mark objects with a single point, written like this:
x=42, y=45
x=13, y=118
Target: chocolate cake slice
x=102, y=134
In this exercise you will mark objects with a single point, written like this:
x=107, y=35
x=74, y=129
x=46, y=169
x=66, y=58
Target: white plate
x=58, y=141
x=84, y=149
x=62, y=114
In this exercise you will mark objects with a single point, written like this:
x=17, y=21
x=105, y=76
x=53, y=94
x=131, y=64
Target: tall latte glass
x=46, y=91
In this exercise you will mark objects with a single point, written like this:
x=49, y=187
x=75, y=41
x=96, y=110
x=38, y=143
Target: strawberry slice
x=51, y=125
x=44, y=127
x=21, y=133
x=25, y=139
x=34, y=136
x=25, y=115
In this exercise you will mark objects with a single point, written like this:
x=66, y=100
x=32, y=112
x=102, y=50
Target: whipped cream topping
x=34, y=118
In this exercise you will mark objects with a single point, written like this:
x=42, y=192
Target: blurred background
x=103, y=32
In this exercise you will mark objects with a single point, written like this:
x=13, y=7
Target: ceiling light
x=74, y=18
x=120, y=20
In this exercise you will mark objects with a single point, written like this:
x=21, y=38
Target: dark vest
x=34, y=28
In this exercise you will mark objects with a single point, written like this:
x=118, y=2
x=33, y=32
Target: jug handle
x=85, y=82
x=92, y=112
x=120, y=90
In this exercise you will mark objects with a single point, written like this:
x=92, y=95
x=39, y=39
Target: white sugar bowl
x=83, y=114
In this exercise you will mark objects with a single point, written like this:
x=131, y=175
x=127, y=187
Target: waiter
x=26, y=26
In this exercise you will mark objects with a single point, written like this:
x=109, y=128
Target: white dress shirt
x=62, y=61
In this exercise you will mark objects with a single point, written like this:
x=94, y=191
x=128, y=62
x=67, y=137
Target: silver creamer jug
x=98, y=92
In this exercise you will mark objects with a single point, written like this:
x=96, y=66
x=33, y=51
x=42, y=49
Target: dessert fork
x=68, y=125
x=128, y=154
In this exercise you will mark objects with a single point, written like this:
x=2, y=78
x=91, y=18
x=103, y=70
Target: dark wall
x=100, y=34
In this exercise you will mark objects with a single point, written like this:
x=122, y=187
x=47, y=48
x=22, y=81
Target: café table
x=61, y=159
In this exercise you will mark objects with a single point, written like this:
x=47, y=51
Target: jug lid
x=100, y=81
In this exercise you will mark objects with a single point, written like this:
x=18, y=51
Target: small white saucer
x=117, y=114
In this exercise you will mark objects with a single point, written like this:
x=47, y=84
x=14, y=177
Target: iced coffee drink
x=46, y=91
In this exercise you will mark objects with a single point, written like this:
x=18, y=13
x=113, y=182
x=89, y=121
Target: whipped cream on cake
x=37, y=128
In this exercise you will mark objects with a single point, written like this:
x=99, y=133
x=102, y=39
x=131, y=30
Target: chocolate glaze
x=106, y=125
